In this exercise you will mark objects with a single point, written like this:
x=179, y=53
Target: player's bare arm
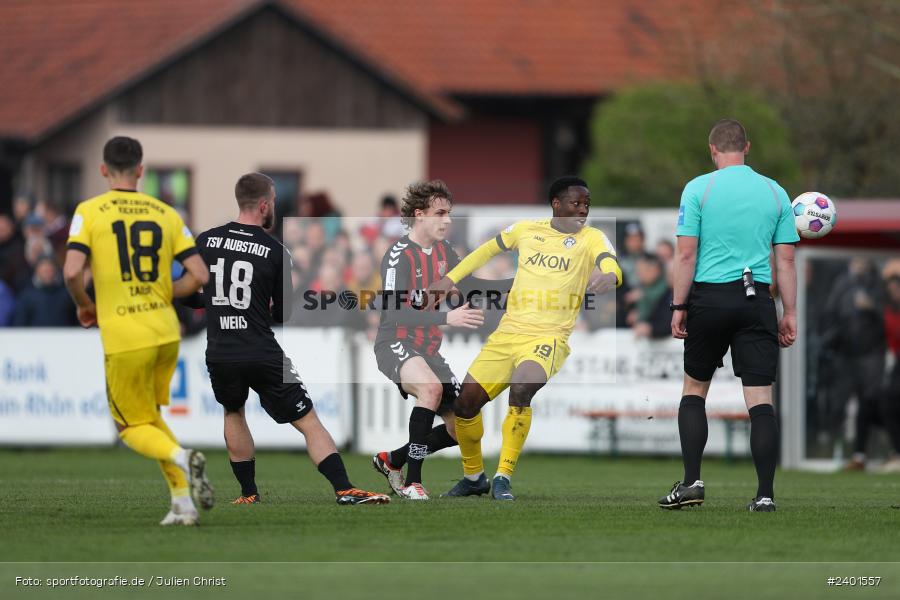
x=685, y=264
x=786, y=275
x=196, y=275
x=73, y=274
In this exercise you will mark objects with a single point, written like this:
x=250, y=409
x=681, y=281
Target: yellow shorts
x=137, y=382
x=504, y=352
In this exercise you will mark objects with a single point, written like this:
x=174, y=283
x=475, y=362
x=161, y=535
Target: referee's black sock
x=438, y=439
x=693, y=431
x=764, y=447
x=245, y=472
x=420, y=421
x=332, y=467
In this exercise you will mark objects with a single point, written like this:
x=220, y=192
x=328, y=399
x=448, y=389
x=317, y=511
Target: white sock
x=475, y=477
x=180, y=458
x=184, y=504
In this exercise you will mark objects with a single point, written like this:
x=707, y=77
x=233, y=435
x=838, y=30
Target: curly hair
x=420, y=196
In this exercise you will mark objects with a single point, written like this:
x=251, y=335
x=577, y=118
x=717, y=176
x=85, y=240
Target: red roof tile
x=61, y=57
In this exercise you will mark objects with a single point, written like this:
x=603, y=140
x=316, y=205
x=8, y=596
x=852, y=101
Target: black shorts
x=390, y=357
x=281, y=393
x=720, y=315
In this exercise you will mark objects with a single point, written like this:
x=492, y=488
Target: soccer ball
x=814, y=214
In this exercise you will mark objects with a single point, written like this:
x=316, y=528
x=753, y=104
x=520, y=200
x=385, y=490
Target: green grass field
x=579, y=524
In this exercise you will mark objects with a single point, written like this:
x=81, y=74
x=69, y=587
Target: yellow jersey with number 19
x=132, y=239
x=553, y=272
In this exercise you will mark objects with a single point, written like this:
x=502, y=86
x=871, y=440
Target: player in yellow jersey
x=129, y=240
x=557, y=257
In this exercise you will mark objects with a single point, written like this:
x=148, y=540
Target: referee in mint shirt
x=728, y=223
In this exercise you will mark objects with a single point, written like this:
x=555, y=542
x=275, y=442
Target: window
x=171, y=185
x=287, y=194
x=64, y=184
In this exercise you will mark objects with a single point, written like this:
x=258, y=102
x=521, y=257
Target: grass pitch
x=579, y=525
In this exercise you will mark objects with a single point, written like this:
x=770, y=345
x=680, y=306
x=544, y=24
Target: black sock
x=398, y=456
x=764, y=447
x=693, y=431
x=439, y=438
x=420, y=421
x=332, y=467
x=245, y=472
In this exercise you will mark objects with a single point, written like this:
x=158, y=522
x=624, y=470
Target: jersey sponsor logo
x=539, y=238
x=681, y=215
x=75, y=227
x=569, y=242
x=240, y=232
x=508, y=229
x=549, y=261
x=187, y=232
x=390, y=279
x=232, y=322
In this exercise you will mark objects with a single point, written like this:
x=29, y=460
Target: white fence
x=53, y=393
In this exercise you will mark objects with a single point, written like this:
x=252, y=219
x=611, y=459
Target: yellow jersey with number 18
x=132, y=239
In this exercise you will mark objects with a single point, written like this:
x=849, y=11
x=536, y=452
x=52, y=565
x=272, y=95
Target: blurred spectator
x=389, y=213
x=36, y=246
x=362, y=274
x=7, y=304
x=652, y=317
x=856, y=338
x=315, y=239
x=327, y=314
x=46, y=303
x=318, y=206
x=633, y=246
x=292, y=232
x=21, y=210
x=12, y=252
x=890, y=412
x=56, y=229
x=665, y=252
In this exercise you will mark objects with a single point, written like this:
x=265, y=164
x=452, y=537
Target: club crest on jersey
x=418, y=273
x=442, y=267
x=569, y=242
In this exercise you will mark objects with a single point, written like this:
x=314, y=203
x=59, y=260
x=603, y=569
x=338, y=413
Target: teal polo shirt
x=738, y=215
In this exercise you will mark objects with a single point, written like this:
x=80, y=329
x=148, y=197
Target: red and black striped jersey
x=407, y=270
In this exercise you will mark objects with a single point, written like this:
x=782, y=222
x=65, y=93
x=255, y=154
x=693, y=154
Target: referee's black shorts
x=721, y=315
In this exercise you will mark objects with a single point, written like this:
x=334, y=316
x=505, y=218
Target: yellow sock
x=150, y=441
x=175, y=477
x=515, y=430
x=469, y=433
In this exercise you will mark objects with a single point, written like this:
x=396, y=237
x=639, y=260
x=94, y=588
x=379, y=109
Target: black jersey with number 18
x=248, y=269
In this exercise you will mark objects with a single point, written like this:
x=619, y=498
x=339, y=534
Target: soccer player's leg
x=188, y=462
x=231, y=388
x=285, y=399
x=710, y=334
x=488, y=376
x=241, y=454
x=417, y=379
x=131, y=386
x=754, y=352
x=536, y=361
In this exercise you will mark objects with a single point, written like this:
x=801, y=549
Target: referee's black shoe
x=683, y=495
x=761, y=504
